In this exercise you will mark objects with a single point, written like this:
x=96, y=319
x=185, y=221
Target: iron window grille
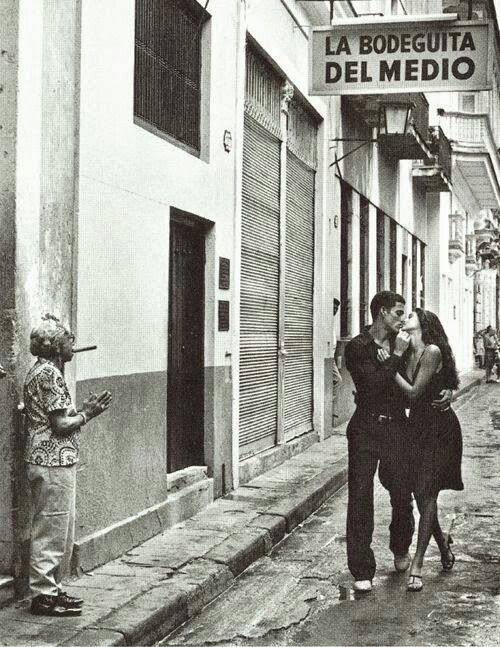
x=167, y=74
x=345, y=259
x=363, y=261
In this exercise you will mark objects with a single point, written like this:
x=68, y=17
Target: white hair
x=45, y=339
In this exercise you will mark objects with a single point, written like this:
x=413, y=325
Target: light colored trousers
x=52, y=526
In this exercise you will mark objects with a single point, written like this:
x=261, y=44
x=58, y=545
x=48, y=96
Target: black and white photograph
x=249, y=323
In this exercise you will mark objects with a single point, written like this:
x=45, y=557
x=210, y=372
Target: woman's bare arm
x=429, y=364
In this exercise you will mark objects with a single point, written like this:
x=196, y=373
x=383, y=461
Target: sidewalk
x=152, y=589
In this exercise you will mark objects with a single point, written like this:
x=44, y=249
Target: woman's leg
x=427, y=507
x=437, y=533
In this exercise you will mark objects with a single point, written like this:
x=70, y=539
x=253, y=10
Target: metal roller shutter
x=259, y=288
x=299, y=271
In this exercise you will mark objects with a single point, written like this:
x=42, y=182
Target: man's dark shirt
x=376, y=390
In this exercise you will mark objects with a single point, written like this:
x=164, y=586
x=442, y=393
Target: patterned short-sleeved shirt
x=45, y=390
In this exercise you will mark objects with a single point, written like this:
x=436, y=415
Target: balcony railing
x=474, y=154
x=420, y=113
x=440, y=147
x=456, y=244
x=465, y=128
x=471, y=264
x=434, y=173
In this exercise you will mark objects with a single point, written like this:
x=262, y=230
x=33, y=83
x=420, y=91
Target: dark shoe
x=48, y=605
x=66, y=600
x=401, y=562
x=415, y=583
x=448, y=558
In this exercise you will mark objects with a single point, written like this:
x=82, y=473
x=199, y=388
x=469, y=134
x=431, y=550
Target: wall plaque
x=223, y=316
x=224, y=273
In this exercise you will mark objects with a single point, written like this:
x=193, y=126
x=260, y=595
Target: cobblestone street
x=301, y=594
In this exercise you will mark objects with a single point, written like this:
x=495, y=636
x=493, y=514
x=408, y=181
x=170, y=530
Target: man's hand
x=94, y=405
x=444, y=403
x=402, y=342
x=382, y=355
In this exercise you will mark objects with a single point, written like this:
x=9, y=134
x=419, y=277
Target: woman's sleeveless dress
x=436, y=456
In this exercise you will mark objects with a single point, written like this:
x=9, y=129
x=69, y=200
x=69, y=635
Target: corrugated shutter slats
x=259, y=288
x=298, y=387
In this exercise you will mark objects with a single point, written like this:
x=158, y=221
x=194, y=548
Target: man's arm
x=368, y=379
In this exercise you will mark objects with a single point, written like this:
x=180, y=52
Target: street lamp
x=394, y=118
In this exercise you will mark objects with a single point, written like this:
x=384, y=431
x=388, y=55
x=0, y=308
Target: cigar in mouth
x=84, y=349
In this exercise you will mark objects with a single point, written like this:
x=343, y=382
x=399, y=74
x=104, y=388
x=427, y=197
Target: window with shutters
x=345, y=259
x=393, y=255
x=422, y=274
x=414, y=274
x=167, y=74
x=380, y=250
x=468, y=102
x=363, y=261
x=404, y=271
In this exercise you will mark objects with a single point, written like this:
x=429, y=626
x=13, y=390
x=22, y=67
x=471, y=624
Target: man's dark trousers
x=370, y=443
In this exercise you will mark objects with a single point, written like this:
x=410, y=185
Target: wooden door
x=185, y=399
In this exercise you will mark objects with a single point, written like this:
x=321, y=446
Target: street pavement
x=301, y=593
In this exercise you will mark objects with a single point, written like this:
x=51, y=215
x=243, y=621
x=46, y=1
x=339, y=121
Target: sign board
x=383, y=57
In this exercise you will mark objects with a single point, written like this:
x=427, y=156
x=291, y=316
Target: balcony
x=475, y=156
x=456, y=241
x=471, y=264
x=410, y=146
x=434, y=173
x=488, y=254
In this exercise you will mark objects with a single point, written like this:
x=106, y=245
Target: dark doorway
x=185, y=401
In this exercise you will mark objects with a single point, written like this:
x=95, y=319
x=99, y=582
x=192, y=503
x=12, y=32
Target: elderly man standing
x=52, y=444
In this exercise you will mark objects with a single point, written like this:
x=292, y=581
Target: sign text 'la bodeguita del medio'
x=396, y=57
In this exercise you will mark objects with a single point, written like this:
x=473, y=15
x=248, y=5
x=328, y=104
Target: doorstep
x=189, y=491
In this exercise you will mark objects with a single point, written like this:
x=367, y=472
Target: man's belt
x=380, y=418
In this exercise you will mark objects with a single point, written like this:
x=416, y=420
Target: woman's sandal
x=448, y=558
x=415, y=583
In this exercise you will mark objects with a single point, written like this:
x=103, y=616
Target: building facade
x=170, y=190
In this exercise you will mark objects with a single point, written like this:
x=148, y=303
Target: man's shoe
x=401, y=562
x=66, y=600
x=362, y=586
x=48, y=605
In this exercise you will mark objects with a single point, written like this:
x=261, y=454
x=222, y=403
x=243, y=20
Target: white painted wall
x=129, y=179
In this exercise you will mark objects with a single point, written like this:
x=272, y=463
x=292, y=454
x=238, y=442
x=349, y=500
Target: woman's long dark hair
x=433, y=333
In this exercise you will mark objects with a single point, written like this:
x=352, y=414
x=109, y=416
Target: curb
x=154, y=614
x=463, y=390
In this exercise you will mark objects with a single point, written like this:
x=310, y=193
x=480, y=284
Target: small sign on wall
x=224, y=273
x=223, y=316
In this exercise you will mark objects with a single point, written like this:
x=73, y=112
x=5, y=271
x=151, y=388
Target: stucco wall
x=8, y=107
x=129, y=181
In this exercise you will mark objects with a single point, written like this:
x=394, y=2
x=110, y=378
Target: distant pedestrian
x=479, y=350
x=52, y=444
x=435, y=436
x=490, y=341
